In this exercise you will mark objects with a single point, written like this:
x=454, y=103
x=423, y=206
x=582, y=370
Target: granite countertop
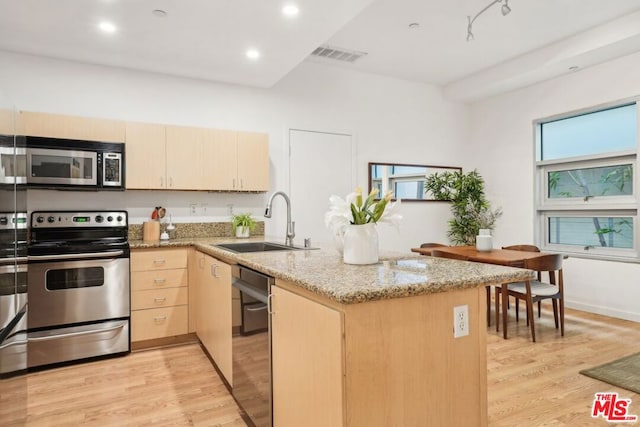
x=321, y=271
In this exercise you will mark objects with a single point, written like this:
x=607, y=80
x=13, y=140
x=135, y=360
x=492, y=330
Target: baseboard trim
x=605, y=311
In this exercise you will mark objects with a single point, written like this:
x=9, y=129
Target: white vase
x=360, y=244
x=242, y=232
x=484, y=243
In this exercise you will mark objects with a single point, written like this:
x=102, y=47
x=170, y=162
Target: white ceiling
x=207, y=39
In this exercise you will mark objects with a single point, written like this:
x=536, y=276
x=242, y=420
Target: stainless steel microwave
x=74, y=164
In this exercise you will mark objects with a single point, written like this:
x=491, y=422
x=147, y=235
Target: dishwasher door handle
x=250, y=290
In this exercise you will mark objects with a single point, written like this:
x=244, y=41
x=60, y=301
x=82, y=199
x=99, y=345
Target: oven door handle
x=12, y=343
x=110, y=254
x=79, y=333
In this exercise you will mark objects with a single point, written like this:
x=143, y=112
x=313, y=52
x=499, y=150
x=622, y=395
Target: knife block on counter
x=151, y=230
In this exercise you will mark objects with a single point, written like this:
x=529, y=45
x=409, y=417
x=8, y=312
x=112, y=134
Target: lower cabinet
x=213, y=310
x=159, y=293
x=306, y=357
x=378, y=363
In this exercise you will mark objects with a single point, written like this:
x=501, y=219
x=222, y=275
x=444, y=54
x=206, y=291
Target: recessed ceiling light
x=414, y=25
x=159, y=13
x=107, y=27
x=574, y=68
x=253, y=54
x=290, y=10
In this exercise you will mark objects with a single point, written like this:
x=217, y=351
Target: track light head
x=505, y=8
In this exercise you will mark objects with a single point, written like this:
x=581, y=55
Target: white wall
x=391, y=120
x=502, y=146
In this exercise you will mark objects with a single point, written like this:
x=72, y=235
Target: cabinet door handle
x=241, y=184
x=161, y=182
x=159, y=261
x=201, y=262
x=170, y=181
x=234, y=183
x=270, y=305
x=160, y=319
x=214, y=270
x=159, y=300
x=159, y=281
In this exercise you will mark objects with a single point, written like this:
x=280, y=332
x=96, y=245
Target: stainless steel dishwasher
x=251, y=345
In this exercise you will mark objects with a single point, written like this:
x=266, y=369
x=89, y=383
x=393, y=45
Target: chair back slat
x=550, y=262
x=432, y=245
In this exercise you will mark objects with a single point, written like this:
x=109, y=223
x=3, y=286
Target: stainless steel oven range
x=13, y=292
x=79, y=291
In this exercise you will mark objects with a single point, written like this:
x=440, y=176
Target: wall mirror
x=406, y=181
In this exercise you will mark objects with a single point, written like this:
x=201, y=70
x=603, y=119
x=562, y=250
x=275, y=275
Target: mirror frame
x=446, y=168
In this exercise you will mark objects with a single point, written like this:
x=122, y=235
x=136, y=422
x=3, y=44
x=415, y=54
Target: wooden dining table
x=506, y=257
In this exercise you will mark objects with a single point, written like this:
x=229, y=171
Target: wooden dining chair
x=534, y=290
x=432, y=245
x=450, y=255
x=524, y=248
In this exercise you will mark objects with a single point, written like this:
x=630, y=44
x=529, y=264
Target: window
x=587, y=197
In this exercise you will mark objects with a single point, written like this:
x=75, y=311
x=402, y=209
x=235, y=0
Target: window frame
x=600, y=252
x=593, y=202
x=608, y=206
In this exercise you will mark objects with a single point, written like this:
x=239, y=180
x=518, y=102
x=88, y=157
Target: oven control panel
x=42, y=219
x=10, y=220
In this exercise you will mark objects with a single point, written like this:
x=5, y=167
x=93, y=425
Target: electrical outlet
x=230, y=209
x=460, y=321
x=193, y=208
x=204, y=207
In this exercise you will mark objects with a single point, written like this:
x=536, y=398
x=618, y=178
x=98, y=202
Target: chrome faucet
x=291, y=232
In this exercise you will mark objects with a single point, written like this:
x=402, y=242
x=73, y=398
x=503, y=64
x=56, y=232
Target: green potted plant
x=470, y=208
x=242, y=224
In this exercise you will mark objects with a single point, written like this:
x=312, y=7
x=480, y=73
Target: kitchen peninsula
x=372, y=345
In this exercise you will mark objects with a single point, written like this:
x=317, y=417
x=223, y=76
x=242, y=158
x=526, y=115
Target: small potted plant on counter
x=242, y=224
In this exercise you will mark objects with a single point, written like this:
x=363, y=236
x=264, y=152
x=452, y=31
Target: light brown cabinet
x=7, y=126
x=213, y=310
x=378, y=363
x=145, y=156
x=190, y=158
x=307, y=353
x=159, y=293
x=239, y=161
x=69, y=127
x=160, y=157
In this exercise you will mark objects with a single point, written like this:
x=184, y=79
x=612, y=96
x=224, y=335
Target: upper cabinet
x=237, y=161
x=6, y=122
x=188, y=158
x=253, y=161
x=145, y=156
x=69, y=127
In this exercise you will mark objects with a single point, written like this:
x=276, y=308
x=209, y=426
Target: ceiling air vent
x=337, y=54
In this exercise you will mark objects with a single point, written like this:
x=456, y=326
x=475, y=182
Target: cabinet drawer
x=158, y=259
x=159, y=322
x=141, y=280
x=156, y=298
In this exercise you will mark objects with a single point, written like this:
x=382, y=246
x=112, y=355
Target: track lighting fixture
x=505, y=9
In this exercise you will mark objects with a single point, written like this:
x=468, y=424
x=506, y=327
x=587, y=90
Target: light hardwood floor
x=529, y=384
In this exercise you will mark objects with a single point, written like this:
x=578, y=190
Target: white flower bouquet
x=354, y=210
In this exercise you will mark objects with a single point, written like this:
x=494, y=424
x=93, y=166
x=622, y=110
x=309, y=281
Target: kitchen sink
x=256, y=247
